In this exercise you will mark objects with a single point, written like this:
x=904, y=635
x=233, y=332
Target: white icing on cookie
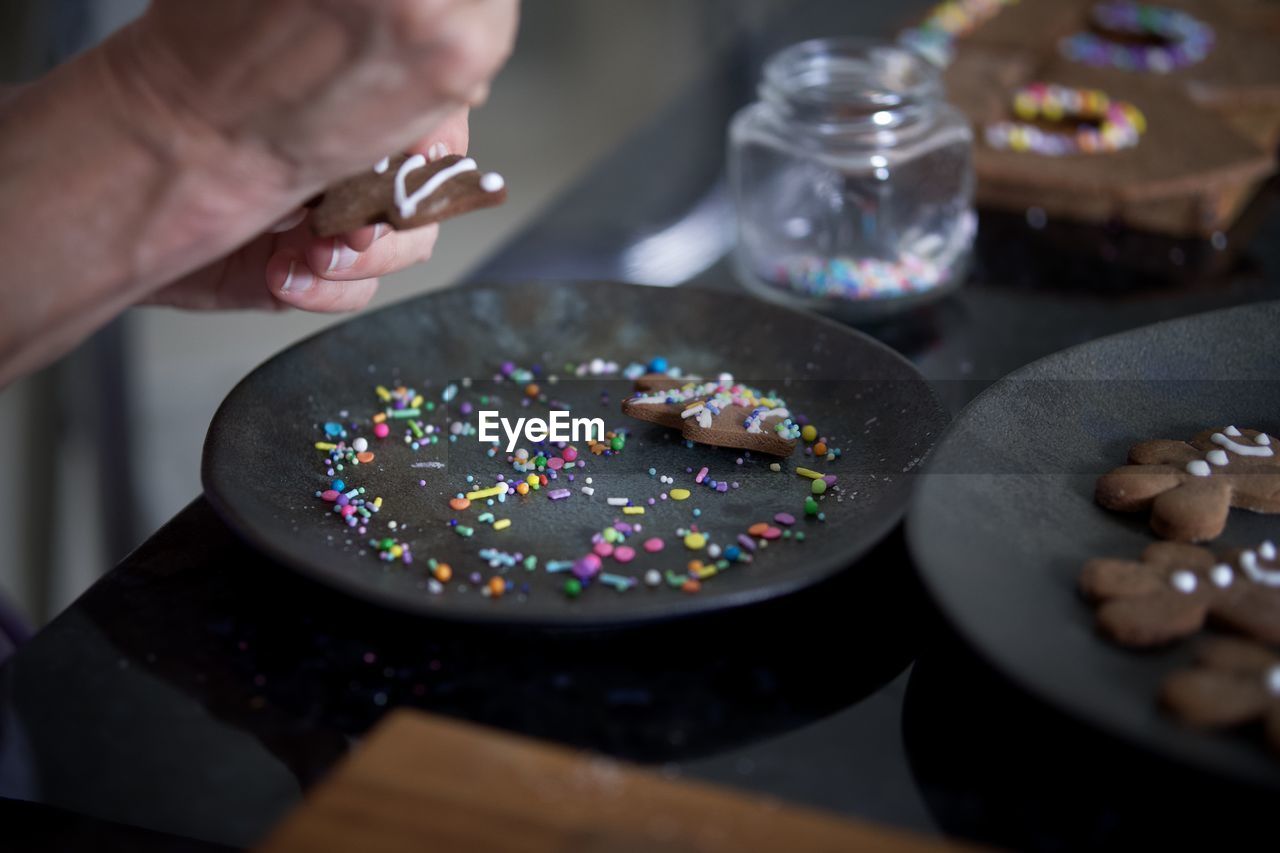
x=382, y=165
x=1198, y=467
x=1221, y=575
x=1267, y=550
x=1249, y=562
x=1183, y=581
x=1263, y=439
x=1232, y=431
x=491, y=182
x=699, y=411
x=779, y=412
x=1217, y=457
x=408, y=204
x=1241, y=449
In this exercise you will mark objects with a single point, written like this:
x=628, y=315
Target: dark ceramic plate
x=261, y=470
x=1004, y=517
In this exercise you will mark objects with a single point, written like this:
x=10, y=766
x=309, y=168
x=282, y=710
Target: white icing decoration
x=1241, y=449
x=701, y=412
x=491, y=182
x=1183, y=581
x=1198, y=467
x=1273, y=681
x=778, y=412
x=1262, y=438
x=1267, y=550
x=1221, y=575
x=1267, y=577
x=382, y=165
x=1232, y=431
x=1217, y=457
x=408, y=204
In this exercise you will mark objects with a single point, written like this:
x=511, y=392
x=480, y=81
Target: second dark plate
x=1004, y=517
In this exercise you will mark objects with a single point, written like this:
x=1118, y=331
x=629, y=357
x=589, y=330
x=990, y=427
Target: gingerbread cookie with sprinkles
x=1190, y=486
x=1176, y=588
x=406, y=191
x=720, y=413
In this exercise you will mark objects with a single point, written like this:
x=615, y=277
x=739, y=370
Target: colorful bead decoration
x=1106, y=125
x=947, y=22
x=1185, y=40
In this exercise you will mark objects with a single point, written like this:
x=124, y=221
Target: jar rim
x=852, y=75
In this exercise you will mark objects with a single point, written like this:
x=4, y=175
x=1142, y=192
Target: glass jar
x=852, y=179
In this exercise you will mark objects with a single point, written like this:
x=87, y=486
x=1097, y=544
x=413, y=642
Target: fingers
x=288, y=223
x=362, y=238
x=467, y=45
x=335, y=260
x=330, y=275
x=451, y=136
x=292, y=282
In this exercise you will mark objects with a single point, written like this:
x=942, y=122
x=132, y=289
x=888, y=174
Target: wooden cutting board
x=420, y=782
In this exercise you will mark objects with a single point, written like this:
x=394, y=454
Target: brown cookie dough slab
x=1234, y=682
x=370, y=197
x=1175, y=589
x=1190, y=486
x=1211, y=127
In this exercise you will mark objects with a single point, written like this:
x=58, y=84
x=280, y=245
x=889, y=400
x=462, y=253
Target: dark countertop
x=197, y=690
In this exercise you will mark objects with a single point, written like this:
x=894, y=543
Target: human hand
x=336, y=87
x=322, y=87
x=150, y=167
x=288, y=267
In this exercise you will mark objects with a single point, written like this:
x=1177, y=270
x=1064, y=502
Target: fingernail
x=289, y=222
x=437, y=150
x=342, y=257
x=379, y=231
x=299, y=279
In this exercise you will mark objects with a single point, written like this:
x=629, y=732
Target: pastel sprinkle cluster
x=861, y=279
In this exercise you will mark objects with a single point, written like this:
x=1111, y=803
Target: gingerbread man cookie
x=721, y=413
x=406, y=192
x=1190, y=486
x=1233, y=683
x=1176, y=588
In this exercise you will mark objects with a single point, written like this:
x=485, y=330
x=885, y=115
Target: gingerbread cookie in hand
x=1234, y=682
x=1190, y=486
x=721, y=413
x=406, y=192
x=1176, y=588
